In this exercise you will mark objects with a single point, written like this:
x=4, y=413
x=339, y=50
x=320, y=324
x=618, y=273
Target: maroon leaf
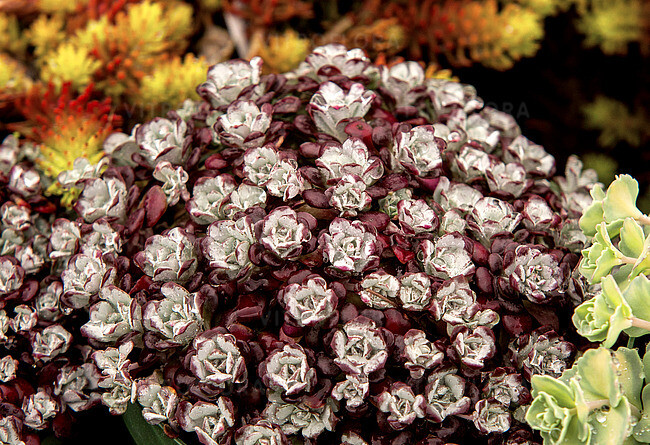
x=155, y=205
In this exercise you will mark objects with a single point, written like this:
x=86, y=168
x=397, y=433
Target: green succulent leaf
x=597, y=376
x=142, y=432
x=593, y=215
x=557, y=425
x=582, y=408
x=646, y=364
x=637, y=296
x=642, y=428
x=629, y=368
x=599, y=259
x=555, y=388
x=632, y=238
x=643, y=263
x=591, y=323
x=604, y=317
x=611, y=425
x=620, y=199
x=618, y=322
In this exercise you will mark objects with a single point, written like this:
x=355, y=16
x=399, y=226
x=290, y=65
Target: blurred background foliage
x=574, y=73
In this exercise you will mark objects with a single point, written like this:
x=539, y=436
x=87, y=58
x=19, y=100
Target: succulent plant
x=343, y=253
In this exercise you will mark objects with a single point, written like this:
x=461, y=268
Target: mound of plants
x=344, y=253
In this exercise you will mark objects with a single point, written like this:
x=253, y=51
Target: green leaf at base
x=142, y=432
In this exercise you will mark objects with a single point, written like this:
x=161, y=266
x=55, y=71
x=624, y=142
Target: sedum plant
x=602, y=398
x=344, y=253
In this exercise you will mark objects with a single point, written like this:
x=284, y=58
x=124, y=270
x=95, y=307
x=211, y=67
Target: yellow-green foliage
x=499, y=38
x=51, y=6
x=522, y=30
x=94, y=34
x=284, y=52
x=13, y=77
x=544, y=7
x=611, y=24
x=615, y=122
x=154, y=27
x=69, y=63
x=11, y=39
x=45, y=33
x=173, y=81
x=140, y=38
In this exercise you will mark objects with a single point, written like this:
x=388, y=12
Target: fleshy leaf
x=611, y=299
x=646, y=365
x=589, y=322
x=642, y=429
x=632, y=238
x=142, y=432
x=643, y=263
x=637, y=296
x=611, y=426
x=620, y=200
x=618, y=322
x=593, y=215
x=598, y=378
x=630, y=374
x=553, y=387
x=599, y=259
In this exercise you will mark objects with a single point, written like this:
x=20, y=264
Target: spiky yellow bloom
x=69, y=63
x=11, y=39
x=94, y=34
x=172, y=81
x=74, y=138
x=522, y=31
x=65, y=126
x=612, y=24
x=13, y=76
x=283, y=52
x=45, y=34
x=154, y=27
x=140, y=38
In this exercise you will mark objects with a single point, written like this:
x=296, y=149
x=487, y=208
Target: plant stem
x=594, y=404
x=381, y=297
x=627, y=259
x=639, y=323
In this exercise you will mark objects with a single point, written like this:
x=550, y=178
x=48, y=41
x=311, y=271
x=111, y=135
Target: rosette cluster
x=347, y=253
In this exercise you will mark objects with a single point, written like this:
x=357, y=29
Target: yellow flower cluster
x=282, y=52
x=69, y=63
x=134, y=44
x=172, y=81
x=131, y=51
x=613, y=24
x=13, y=76
x=11, y=39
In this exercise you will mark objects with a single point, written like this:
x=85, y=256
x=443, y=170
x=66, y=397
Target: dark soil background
x=545, y=94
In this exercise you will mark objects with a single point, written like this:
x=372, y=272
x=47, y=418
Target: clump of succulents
x=345, y=253
x=604, y=397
